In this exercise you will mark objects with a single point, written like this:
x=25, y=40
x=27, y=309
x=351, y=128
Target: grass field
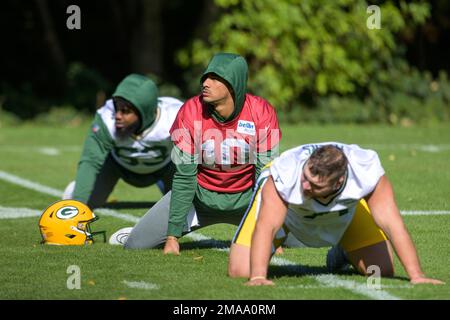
x=37, y=162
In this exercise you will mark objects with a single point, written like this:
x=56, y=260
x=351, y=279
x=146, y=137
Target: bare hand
x=172, y=246
x=259, y=282
x=422, y=280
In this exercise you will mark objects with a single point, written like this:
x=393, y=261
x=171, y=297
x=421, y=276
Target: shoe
x=120, y=236
x=337, y=260
x=68, y=191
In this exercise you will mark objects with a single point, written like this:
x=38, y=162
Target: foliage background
x=315, y=61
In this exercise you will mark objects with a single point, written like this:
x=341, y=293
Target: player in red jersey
x=222, y=139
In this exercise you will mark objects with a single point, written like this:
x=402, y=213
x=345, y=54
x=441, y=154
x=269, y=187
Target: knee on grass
x=236, y=271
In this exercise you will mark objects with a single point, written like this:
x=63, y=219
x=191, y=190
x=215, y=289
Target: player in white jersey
x=129, y=139
x=325, y=194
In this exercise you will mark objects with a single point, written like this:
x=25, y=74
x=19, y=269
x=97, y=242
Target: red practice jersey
x=226, y=152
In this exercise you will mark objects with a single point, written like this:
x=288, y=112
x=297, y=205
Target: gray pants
x=111, y=172
x=151, y=230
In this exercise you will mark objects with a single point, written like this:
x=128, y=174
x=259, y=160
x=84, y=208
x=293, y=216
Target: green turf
x=33, y=271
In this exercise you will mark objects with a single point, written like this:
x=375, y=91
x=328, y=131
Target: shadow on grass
x=299, y=270
x=275, y=271
x=206, y=244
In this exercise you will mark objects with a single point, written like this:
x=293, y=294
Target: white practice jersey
x=318, y=224
x=150, y=151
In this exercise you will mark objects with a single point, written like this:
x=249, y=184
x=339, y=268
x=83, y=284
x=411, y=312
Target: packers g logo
x=67, y=212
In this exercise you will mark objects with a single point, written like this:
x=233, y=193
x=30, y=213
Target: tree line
x=310, y=57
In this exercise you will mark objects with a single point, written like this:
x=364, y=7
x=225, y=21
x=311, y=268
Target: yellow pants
x=361, y=232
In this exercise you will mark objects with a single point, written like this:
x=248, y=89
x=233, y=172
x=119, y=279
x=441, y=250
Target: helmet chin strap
x=96, y=233
x=92, y=234
x=79, y=230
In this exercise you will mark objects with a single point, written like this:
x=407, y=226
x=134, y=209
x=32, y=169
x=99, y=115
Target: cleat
x=120, y=236
x=68, y=191
x=337, y=260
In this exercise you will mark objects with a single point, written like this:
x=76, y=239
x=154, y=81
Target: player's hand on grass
x=425, y=280
x=259, y=281
x=172, y=246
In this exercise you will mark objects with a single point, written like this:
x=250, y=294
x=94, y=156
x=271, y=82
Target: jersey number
x=153, y=155
x=232, y=151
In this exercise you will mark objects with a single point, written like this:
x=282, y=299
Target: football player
x=222, y=138
x=129, y=139
x=328, y=194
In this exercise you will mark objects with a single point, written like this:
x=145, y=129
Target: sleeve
x=268, y=139
x=285, y=171
x=183, y=129
x=269, y=133
x=97, y=145
x=366, y=168
x=184, y=186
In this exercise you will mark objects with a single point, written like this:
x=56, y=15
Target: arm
x=271, y=217
x=96, y=147
x=387, y=216
x=183, y=191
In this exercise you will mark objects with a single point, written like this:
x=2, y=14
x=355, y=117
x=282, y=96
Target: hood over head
x=234, y=70
x=142, y=92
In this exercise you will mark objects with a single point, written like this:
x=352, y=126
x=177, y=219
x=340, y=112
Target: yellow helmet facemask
x=67, y=222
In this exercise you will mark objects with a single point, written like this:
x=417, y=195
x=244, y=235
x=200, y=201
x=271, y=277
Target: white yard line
x=141, y=285
x=323, y=286
x=363, y=289
x=333, y=281
x=14, y=213
x=49, y=150
x=433, y=148
x=58, y=193
x=115, y=214
x=325, y=279
x=424, y=213
x=29, y=184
